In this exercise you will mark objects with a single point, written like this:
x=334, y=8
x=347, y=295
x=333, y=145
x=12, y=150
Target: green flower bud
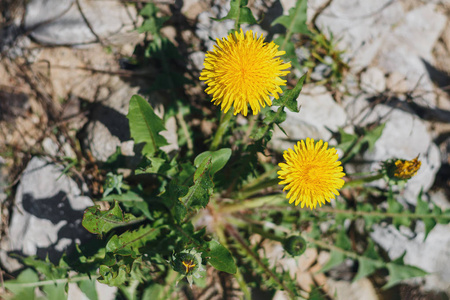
x=295, y=245
x=188, y=263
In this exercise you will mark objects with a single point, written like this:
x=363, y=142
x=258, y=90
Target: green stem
x=382, y=214
x=291, y=27
x=253, y=203
x=223, y=126
x=257, y=188
x=237, y=237
x=237, y=26
x=48, y=282
x=361, y=181
x=259, y=179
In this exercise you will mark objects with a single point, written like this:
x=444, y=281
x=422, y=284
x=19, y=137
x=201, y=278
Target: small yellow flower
x=405, y=169
x=242, y=70
x=312, y=173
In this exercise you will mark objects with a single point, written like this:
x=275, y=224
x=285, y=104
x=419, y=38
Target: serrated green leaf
x=149, y=10
x=275, y=117
x=171, y=199
x=259, y=132
x=145, y=125
x=342, y=240
x=220, y=258
x=89, y=289
x=239, y=11
x=346, y=141
x=289, y=97
x=296, y=20
x=219, y=159
x=366, y=266
x=112, y=276
x=152, y=292
x=198, y=194
x=423, y=208
x=129, y=196
x=371, y=136
x=397, y=273
x=130, y=242
x=396, y=207
x=316, y=294
x=48, y=269
x=336, y=258
x=100, y=222
x=55, y=291
x=18, y=289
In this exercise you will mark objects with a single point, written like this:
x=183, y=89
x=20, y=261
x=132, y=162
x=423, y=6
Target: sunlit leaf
x=220, y=258
x=145, y=125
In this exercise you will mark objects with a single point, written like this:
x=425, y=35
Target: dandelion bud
x=188, y=263
x=295, y=245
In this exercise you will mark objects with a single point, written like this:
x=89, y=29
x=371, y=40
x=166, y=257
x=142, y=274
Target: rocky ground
x=65, y=87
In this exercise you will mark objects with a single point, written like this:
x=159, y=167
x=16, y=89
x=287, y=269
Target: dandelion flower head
x=312, y=173
x=405, y=169
x=244, y=70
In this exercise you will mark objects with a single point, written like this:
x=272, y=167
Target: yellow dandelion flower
x=312, y=173
x=242, y=69
x=405, y=169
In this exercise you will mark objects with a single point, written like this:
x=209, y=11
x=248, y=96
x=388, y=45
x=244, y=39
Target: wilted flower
x=407, y=168
x=242, y=69
x=400, y=170
x=312, y=173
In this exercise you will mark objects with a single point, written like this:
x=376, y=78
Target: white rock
x=361, y=289
x=396, y=83
x=318, y=111
x=359, y=26
x=420, y=29
x=411, y=42
x=104, y=292
x=197, y=58
x=59, y=22
x=47, y=214
x=373, y=80
x=430, y=255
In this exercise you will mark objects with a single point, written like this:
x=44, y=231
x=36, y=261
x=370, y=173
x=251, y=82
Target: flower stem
x=382, y=214
x=237, y=237
x=224, y=122
x=252, y=203
x=361, y=181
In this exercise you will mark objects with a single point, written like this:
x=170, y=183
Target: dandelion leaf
x=219, y=159
x=112, y=276
x=366, y=267
x=395, y=207
x=289, y=97
x=88, y=288
x=422, y=207
x=240, y=12
x=199, y=193
x=296, y=20
x=18, y=286
x=130, y=242
x=397, y=273
x=336, y=258
x=220, y=258
x=145, y=125
x=100, y=222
